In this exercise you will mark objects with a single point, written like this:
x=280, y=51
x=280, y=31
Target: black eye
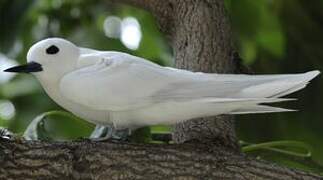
x=52, y=49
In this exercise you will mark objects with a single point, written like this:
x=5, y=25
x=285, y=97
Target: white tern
x=116, y=89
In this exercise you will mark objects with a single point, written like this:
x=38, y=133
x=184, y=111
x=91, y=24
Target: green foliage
x=273, y=36
x=291, y=153
x=257, y=27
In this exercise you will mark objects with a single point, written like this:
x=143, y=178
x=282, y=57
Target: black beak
x=26, y=68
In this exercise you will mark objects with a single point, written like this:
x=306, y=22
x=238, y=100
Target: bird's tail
x=179, y=111
x=274, y=89
x=283, y=85
x=255, y=109
x=261, y=90
x=215, y=94
x=250, y=105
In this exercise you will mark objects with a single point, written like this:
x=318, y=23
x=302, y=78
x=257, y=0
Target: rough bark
x=107, y=160
x=199, y=33
x=202, y=43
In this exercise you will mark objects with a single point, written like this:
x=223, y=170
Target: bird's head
x=52, y=56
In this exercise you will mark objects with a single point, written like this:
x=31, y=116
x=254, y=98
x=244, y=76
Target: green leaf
x=160, y=129
x=36, y=129
x=274, y=146
x=289, y=153
x=57, y=125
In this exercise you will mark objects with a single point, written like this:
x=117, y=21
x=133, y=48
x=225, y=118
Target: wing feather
x=204, y=85
x=120, y=82
x=117, y=82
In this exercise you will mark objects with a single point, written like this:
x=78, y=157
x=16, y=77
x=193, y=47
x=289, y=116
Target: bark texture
x=199, y=33
x=202, y=43
x=117, y=161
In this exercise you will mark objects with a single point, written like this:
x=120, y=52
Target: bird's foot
x=106, y=133
x=121, y=135
x=6, y=134
x=101, y=133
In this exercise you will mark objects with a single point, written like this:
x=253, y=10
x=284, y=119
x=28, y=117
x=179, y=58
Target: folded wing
x=116, y=82
x=237, y=86
x=121, y=82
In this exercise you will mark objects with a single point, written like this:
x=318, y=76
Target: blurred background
x=272, y=36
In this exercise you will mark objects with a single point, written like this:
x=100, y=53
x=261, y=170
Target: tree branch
x=108, y=160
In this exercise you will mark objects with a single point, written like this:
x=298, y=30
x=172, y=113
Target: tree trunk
x=200, y=35
x=202, y=42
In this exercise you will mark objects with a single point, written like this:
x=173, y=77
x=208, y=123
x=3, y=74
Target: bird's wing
x=203, y=85
x=114, y=81
x=85, y=51
x=120, y=82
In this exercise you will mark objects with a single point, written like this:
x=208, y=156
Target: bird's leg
x=6, y=134
x=103, y=133
x=121, y=134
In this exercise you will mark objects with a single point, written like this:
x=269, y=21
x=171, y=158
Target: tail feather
x=290, y=91
x=214, y=94
x=303, y=82
x=216, y=106
x=248, y=105
x=279, y=87
x=260, y=109
x=283, y=87
x=245, y=100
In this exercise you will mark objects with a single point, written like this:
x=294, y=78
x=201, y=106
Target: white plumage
x=107, y=87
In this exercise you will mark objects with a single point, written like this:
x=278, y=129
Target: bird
x=122, y=91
